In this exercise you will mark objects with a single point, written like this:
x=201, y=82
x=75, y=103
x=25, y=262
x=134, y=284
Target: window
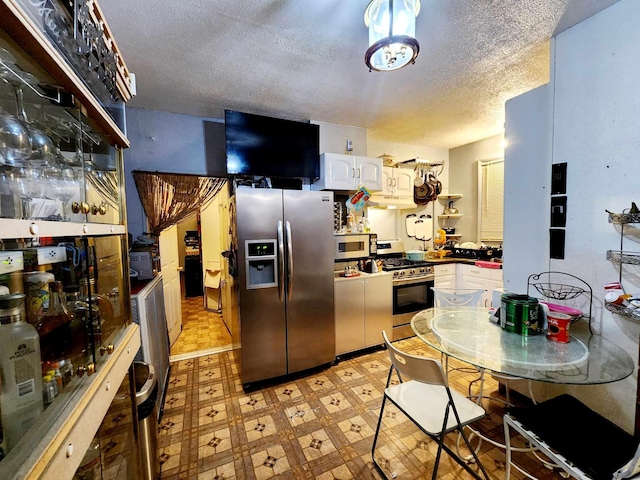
x=490, y=199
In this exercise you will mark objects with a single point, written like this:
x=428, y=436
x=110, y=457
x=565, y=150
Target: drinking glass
x=25, y=183
x=42, y=147
x=15, y=146
x=66, y=187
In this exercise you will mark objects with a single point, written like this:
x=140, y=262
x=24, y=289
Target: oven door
x=411, y=296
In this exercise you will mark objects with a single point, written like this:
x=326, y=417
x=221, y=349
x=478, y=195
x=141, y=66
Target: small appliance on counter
x=144, y=261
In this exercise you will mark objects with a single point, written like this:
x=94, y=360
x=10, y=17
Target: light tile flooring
x=319, y=426
x=201, y=329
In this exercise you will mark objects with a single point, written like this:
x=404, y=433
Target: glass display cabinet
x=66, y=336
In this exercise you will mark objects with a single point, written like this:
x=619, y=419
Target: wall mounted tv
x=271, y=147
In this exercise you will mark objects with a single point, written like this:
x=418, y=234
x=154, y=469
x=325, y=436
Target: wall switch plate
x=559, y=211
x=559, y=178
x=11, y=262
x=556, y=243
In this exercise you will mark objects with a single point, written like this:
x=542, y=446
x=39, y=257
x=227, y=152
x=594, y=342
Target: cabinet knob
x=89, y=369
x=33, y=229
x=107, y=349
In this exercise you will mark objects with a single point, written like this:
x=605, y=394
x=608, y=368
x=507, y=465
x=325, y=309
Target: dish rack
x=564, y=289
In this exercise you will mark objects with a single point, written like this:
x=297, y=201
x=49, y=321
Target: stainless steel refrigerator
x=285, y=267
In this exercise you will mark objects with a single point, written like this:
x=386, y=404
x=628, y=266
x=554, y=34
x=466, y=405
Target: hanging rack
x=435, y=168
x=56, y=99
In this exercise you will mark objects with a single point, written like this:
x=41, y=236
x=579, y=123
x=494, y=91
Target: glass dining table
x=467, y=334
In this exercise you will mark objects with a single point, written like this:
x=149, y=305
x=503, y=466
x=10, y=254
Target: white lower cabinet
x=363, y=308
x=487, y=279
x=445, y=276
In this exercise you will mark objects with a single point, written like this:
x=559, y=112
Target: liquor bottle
x=80, y=326
x=53, y=328
x=21, y=399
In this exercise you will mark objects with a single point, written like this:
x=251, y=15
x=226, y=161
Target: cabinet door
x=369, y=173
x=378, y=293
x=387, y=180
x=403, y=182
x=445, y=281
x=349, y=315
x=339, y=171
x=470, y=282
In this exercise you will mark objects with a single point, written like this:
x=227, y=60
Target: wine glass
x=15, y=146
x=66, y=187
x=25, y=183
x=42, y=147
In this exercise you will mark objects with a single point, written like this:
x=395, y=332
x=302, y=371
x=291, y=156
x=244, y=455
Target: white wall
x=333, y=138
x=596, y=120
x=596, y=125
x=392, y=222
x=463, y=168
x=527, y=197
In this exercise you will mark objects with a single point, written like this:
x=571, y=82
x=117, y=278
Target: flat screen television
x=271, y=147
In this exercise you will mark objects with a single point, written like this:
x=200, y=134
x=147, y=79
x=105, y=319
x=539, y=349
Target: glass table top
x=467, y=334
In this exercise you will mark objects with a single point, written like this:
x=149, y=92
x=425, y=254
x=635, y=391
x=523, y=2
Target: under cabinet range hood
x=390, y=201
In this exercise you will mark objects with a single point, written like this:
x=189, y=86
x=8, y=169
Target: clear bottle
x=53, y=328
x=21, y=395
x=367, y=225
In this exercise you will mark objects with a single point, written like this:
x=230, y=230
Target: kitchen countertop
x=439, y=261
x=338, y=278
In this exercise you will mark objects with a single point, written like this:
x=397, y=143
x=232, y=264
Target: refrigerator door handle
x=280, y=262
x=289, y=261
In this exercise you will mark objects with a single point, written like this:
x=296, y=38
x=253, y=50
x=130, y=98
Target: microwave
x=355, y=245
x=145, y=261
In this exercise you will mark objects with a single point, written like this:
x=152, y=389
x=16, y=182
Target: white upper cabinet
x=348, y=172
x=398, y=181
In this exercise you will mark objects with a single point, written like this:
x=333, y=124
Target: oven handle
x=413, y=280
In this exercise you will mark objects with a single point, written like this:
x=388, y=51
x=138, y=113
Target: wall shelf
x=457, y=215
x=629, y=258
x=451, y=196
x=622, y=257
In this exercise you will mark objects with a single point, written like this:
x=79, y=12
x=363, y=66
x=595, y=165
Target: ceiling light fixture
x=392, y=31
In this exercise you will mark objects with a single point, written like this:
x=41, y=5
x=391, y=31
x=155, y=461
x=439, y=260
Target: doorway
x=200, y=237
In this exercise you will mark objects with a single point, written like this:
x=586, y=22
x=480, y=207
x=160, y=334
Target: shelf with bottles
x=61, y=315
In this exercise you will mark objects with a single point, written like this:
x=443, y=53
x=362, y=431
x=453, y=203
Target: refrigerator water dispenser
x=261, y=266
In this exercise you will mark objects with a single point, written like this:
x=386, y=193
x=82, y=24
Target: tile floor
x=201, y=329
x=319, y=426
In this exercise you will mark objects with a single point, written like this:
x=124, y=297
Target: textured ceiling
x=304, y=59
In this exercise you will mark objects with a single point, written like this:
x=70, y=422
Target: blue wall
x=164, y=142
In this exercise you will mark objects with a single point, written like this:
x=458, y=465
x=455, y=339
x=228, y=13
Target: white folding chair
x=429, y=403
x=457, y=297
x=576, y=439
x=460, y=297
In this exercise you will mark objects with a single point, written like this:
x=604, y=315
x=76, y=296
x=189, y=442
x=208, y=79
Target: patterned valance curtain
x=168, y=198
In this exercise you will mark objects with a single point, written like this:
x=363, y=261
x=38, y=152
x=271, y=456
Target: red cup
x=558, y=327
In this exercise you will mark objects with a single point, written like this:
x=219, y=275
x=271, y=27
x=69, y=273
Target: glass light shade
x=392, y=30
